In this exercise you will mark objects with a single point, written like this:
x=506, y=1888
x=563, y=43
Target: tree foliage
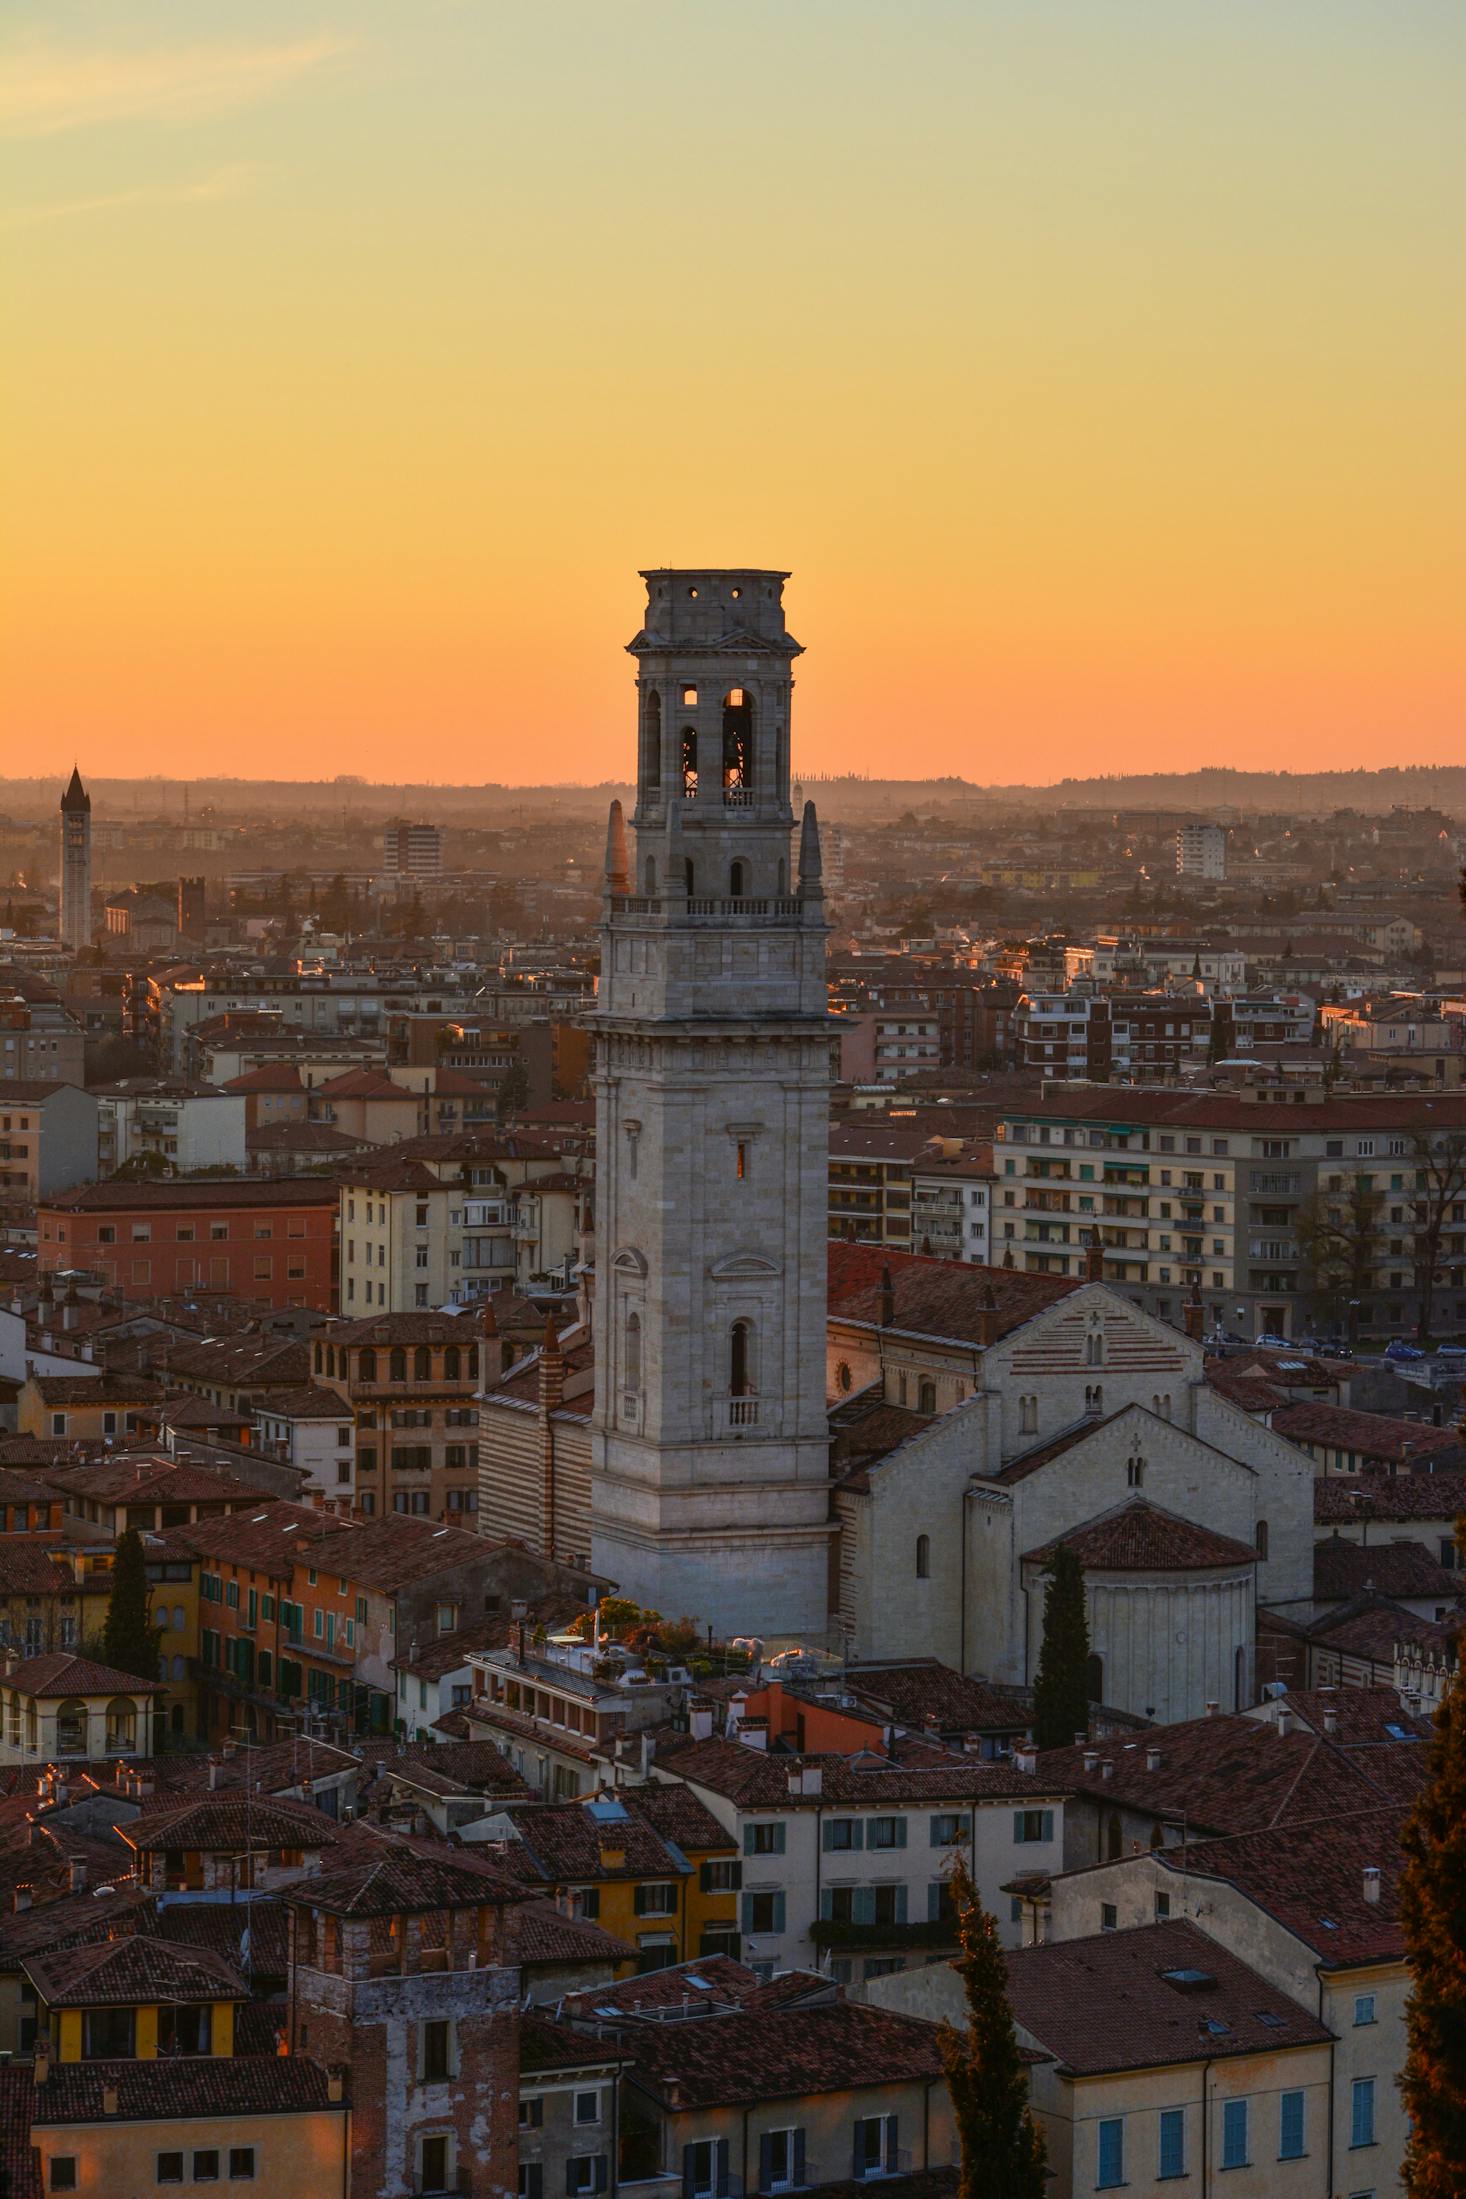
x=1433, y=1915
x=130, y=1640
x=1061, y=1690
x=1339, y=1241
x=1002, y=2147
x=1440, y=1181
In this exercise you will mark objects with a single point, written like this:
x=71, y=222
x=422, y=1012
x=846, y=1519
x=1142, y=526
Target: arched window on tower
x=366, y=1366
x=397, y=1365
x=650, y=876
x=632, y=1354
x=1261, y=1538
x=689, y=760
x=452, y=1364
x=422, y=1364
x=923, y=1557
x=736, y=883
x=740, y=1359
x=738, y=746
x=653, y=766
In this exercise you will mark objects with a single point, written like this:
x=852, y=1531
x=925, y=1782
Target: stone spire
x=811, y=869
x=618, y=874
x=76, y=796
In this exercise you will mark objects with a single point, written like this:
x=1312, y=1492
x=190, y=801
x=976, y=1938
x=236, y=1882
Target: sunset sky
x=1096, y=366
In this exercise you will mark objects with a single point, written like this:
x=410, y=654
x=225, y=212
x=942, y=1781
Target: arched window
x=740, y=1359
x=1135, y=1472
x=649, y=879
x=689, y=878
x=452, y=1364
x=397, y=1365
x=923, y=1557
x=1157, y=1837
x=1094, y=1397
x=422, y=1364
x=1262, y=1538
x=689, y=760
x=1028, y=1416
x=1094, y=1677
x=735, y=881
x=473, y=1362
x=738, y=742
x=633, y=1353
x=653, y=774
x=366, y=1366
x=926, y=1398
x=1094, y=1348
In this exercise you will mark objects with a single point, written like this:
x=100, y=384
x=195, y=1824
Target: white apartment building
x=189, y=1126
x=1201, y=851
x=411, y=850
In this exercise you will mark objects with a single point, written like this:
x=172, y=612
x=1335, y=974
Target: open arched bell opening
x=738, y=742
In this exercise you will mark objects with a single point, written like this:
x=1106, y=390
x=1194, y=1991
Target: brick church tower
x=710, y=1439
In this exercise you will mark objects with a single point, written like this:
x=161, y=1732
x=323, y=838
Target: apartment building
x=1201, y=852
x=186, y=1126
x=888, y=1045
x=48, y=1138
x=411, y=851
x=1203, y=1194
x=448, y=1220
x=408, y=1383
x=1063, y=1035
x=271, y=1239
x=39, y=1039
x=871, y=1186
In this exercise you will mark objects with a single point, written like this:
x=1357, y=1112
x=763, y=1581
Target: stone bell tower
x=710, y=1445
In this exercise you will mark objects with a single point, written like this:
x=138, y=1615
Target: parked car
x=1402, y=1353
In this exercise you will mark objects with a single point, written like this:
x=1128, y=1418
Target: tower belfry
x=710, y=1438
x=75, y=897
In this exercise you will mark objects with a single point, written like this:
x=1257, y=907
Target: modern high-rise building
x=1201, y=851
x=412, y=851
x=710, y=1441
x=76, y=864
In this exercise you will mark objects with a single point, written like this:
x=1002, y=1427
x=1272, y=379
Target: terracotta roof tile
x=399, y=1878
x=1338, y=1497
x=753, y=1779
x=125, y=1972
x=59, y=1673
x=225, y=1823
x=761, y=2054
x=934, y=1297
x=1400, y=1569
x=203, y=2085
x=1141, y=1537
x=1371, y=1435
x=1310, y=1876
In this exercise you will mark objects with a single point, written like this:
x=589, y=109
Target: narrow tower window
x=735, y=881
x=737, y=742
x=633, y=1354
x=923, y=1557
x=653, y=775
x=689, y=760
x=740, y=1359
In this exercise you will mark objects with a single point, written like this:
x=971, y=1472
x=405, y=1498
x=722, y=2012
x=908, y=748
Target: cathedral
x=827, y=1443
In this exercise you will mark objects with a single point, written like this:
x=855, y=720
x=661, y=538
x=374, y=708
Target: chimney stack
x=1212, y=1709
x=1371, y=1884
x=552, y=1368
x=1153, y=1757
x=888, y=1297
x=1285, y=1720
x=1331, y=1721
x=987, y=1319
x=1094, y=1259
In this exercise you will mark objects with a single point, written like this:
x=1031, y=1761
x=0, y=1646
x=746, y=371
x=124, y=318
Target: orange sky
x=1096, y=369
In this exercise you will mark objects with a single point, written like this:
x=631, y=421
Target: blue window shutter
x=689, y=2171
x=779, y=1838
x=779, y=1912
x=1048, y=1824
x=934, y=1901
x=1111, y=2152
x=748, y=1912
x=1017, y=1825
x=857, y=1832
x=827, y=1902
x=799, y=2156
x=602, y=2172
x=893, y=2140
x=722, y=2168
x=858, y=2152
x=900, y=1904
x=1290, y=2130
x=865, y=1905
x=1173, y=2141
x=900, y=1832
x=765, y=2161
x=827, y=1835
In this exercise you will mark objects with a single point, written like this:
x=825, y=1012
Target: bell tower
x=710, y=1441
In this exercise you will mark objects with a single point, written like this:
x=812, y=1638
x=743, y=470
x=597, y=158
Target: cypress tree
x=1433, y=1914
x=1061, y=1691
x=1002, y=2147
x=130, y=1640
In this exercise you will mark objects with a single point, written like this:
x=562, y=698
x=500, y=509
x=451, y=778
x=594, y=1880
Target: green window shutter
x=900, y=1832
x=748, y=1847
x=778, y=1912
x=827, y=1903
x=865, y=1905
x=748, y=1912
x=934, y=1902
x=1048, y=1824
x=1018, y=1825
x=900, y=1904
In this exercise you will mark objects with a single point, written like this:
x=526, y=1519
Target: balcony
x=739, y=1415
x=738, y=797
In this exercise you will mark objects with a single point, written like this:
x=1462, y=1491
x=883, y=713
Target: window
x=63, y=2172
x=1234, y=2134
x=586, y=2172
x=740, y=1359
x=875, y=2145
x=531, y=2180
x=705, y=2168
x=241, y=2164
x=886, y=1832
x=763, y=1839
x=434, y=2163
x=1162, y=1907
x=1361, y=2112
x=720, y=1875
x=183, y=2030
x=1364, y=2008
x=1290, y=2126
x=1135, y=1470
x=843, y=1835
x=1261, y=1538
x=532, y=2114
x=923, y=1557
x=946, y=1830
x=657, y=1897
x=587, y=2107
x=1109, y=1917
x=1172, y=2161
x=206, y=2166
x=781, y=2160
x=763, y=1912
x=435, y=2055
x=107, y=2034
x=169, y=2168
x=1110, y=2167
x=1032, y=1825
x=926, y=1398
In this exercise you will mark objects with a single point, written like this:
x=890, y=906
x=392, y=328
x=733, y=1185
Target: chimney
x=1152, y=1757
x=1094, y=1259
x=1107, y=1767
x=41, y=2068
x=1285, y=1720
x=335, y=2087
x=1081, y=1740
x=76, y=1874
x=987, y=1319
x=700, y=1721
x=888, y=1298
x=1371, y=1884
x=1025, y=1757
x=1091, y=1758
x=1330, y=1721
x=806, y=1779
x=1212, y=1709
x=109, y=2099
x=754, y=1732
x=213, y=1773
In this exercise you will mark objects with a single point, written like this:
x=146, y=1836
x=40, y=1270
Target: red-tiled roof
x=1140, y=1537
x=1400, y=1569
x=59, y=1673
x=1338, y=1497
x=753, y=1779
x=1310, y=1876
x=204, y=2086
x=537, y=1934
x=761, y=2054
x=194, y=1192
x=1371, y=1435
x=946, y=1298
x=127, y=1972
x=400, y=1879
x=226, y=1823
x=1132, y=2000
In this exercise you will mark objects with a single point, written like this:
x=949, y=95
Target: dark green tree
x=130, y=1640
x=512, y=1093
x=1002, y=2147
x=1432, y=1903
x=1061, y=1690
